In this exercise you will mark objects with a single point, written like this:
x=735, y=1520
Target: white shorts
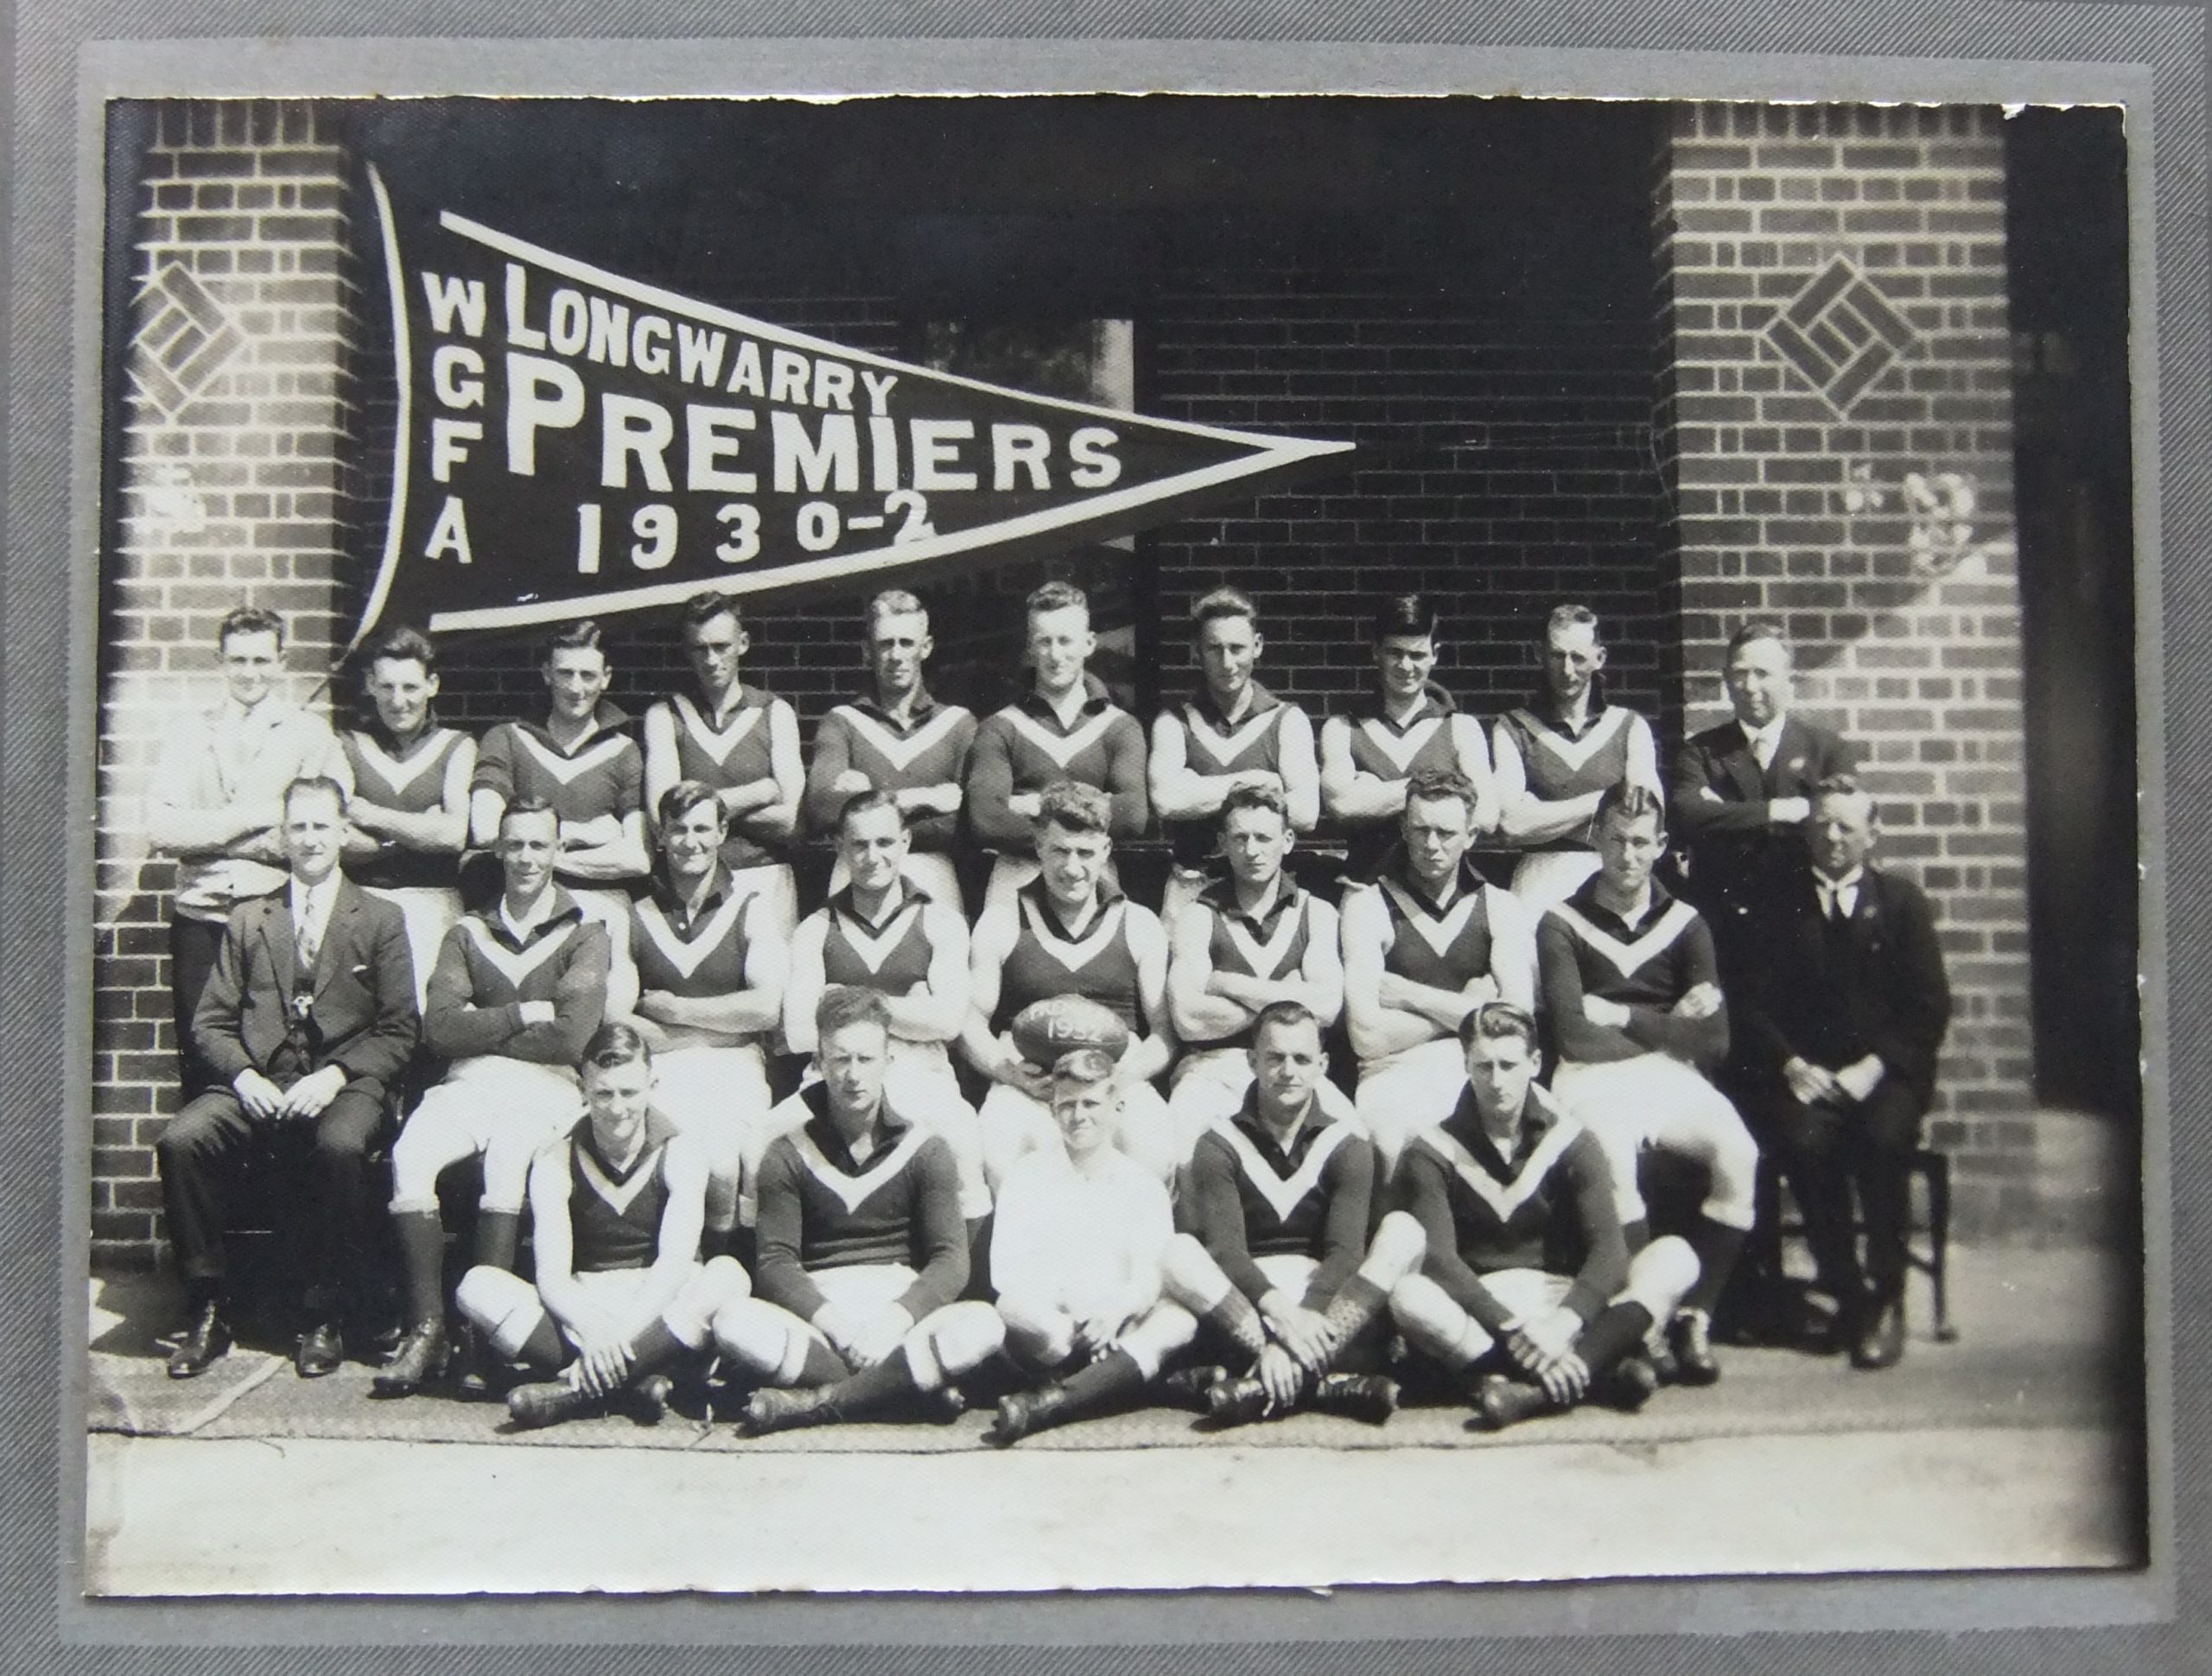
x=716, y=1095
x=429, y=912
x=1655, y=1101
x=489, y=1105
x=1659, y=1277
x=1413, y=1089
x=1545, y=878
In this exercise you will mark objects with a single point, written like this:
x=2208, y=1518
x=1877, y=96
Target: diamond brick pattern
x=186, y=339
x=1840, y=332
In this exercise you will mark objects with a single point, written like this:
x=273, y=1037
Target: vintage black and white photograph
x=1110, y=841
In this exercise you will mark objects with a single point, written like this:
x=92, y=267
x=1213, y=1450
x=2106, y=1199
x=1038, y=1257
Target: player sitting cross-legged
x=1527, y=1291
x=1076, y=1256
x=861, y=1249
x=1281, y=1196
x=618, y=1204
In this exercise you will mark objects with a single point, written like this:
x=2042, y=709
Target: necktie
x=310, y=937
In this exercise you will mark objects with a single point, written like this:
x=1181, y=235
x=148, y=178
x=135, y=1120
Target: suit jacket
x=1832, y=997
x=355, y=1010
x=1715, y=806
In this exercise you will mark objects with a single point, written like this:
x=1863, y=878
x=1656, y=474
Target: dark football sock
x=1357, y=1302
x=1237, y=1320
x=497, y=1233
x=1111, y=1378
x=1636, y=1235
x=654, y=1347
x=542, y=1350
x=1716, y=1246
x=823, y=1365
x=423, y=1258
x=1618, y=1329
x=872, y=1388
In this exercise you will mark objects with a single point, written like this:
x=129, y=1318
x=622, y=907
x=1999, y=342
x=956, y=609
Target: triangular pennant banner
x=573, y=442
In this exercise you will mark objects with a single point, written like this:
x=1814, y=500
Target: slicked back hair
x=1433, y=784
x=1408, y=616
x=1848, y=785
x=1493, y=1021
x=1758, y=628
x=404, y=643
x=1223, y=602
x=250, y=619
x=1629, y=801
x=865, y=803
x=615, y=1043
x=1573, y=616
x=315, y=785
x=707, y=604
x=583, y=635
x=680, y=799
x=1082, y=1067
x=845, y=1004
x=1057, y=596
x=896, y=602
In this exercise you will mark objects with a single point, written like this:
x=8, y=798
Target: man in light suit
x=1842, y=1030
x=1740, y=796
x=308, y=1019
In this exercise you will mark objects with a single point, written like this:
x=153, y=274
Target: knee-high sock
x=1237, y=1320
x=1716, y=1246
x=1636, y=1235
x=1357, y=1302
x=422, y=1257
x=542, y=1350
x=654, y=1347
x=1618, y=1329
x=497, y=1234
x=1113, y=1376
x=871, y=1388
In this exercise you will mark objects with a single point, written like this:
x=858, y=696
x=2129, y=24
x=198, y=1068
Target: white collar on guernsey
x=534, y=916
x=1505, y=1198
x=1626, y=958
x=1282, y=1193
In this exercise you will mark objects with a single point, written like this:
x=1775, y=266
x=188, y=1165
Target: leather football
x=1058, y=1025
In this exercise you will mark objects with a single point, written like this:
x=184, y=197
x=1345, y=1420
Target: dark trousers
x=194, y=944
x=1825, y=1151
x=324, y=1197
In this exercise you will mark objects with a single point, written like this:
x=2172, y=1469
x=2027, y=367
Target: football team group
x=1365, y=1095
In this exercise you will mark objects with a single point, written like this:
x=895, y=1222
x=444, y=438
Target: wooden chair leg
x=1936, y=1167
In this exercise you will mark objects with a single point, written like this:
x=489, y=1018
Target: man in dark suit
x=1739, y=794
x=1843, y=1027
x=308, y=1018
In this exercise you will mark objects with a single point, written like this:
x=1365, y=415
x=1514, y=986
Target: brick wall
x=238, y=474
x=1834, y=330
x=1505, y=465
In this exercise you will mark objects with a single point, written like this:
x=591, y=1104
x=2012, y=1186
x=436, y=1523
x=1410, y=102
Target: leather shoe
x=779, y=1408
x=548, y=1404
x=647, y=1398
x=1192, y=1387
x=1236, y=1401
x=1882, y=1343
x=420, y=1359
x=321, y=1350
x=1371, y=1397
x=1627, y=1385
x=206, y=1339
x=1021, y=1413
x=1500, y=1402
x=1689, y=1336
